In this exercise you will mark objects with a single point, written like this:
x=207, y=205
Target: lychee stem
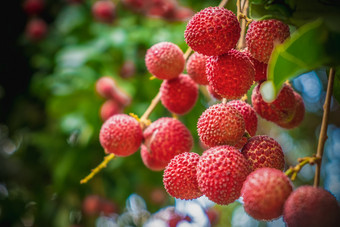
x=223, y=3
x=302, y=162
x=324, y=124
x=101, y=166
x=242, y=14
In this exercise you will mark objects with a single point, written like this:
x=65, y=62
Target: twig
x=302, y=162
x=324, y=124
x=242, y=14
x=223, y=3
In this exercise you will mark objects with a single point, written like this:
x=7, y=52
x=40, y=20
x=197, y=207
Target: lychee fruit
x=280, y=110
x=164, y=139
x=179, y=176
x=121, y=135
x=165, y=60
x=109, y=108
x=248, y=113
x=260, y=68
x=220, y=124
x=221, y=172
x=179, y=95
x=263, y=151
x=298, y=116
x=230, y=75
x=311, y=206
x=264, y=193
x=263, y=35
x=127, y=70
x=212, y=31
x=36, y=29
x=33, y=7
x=213, y=93
x=104, y=11
x=196, y=67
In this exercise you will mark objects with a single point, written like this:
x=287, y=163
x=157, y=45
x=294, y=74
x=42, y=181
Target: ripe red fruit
x=127, y=70
x=104, y=11
x=179, y=176
x=263, y=35
x=213, y=93
x=265, y=192
x=298, y=116
x=280, y=110
x=171, y=216
x=164, y=139
x=310, y=206
x=196, y=68
x=221, y=172
x=220, y=124
x=260, y=68
x=91, y=204
x=263, y=151
x=179, y=95
x=33, y=7
x=36, y=29
x=212, y=31
x=121, y=135
x=161, y=8
x=109, y=108
x=213, y=215
x=165, y=60
x=248, y=113
x=230, y=75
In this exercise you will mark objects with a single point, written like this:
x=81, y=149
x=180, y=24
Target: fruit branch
x=324, y=124
x=242, y=14
x=293, y=171
x=223, y=3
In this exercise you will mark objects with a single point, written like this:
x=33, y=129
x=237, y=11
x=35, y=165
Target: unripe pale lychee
x=212, y=31
x=180, y=94
x=221, y=172
x=298, y=116
x=164, y=139
x=312, y=207
x=264, y=193
x=231, y=74
x=179, y=176
x=220, y=124
x=263, y=35
x=104, y=11
x=263, y=151
x=109, y=108
x=280, y=110
x=248, y=113
x=260, y=67
x=121, y=135
x=196, y=67
x=165, y=60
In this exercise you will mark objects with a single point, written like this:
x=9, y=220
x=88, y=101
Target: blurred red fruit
x=33, y=7
x=104, y=11
x=109, y=108
x=127, y=70
x=36, y=29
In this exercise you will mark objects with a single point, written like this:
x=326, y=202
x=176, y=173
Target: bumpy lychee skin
x=264, y=193
x=121, y=135
x=196, y=68
x=298, y=115
x=248, y=113
x=263, y=35
x=109, y=108
x=310, y=206
x=260, y=68
x=263, y=151
x=104, y=11
x=220, y=124
x=212, y=31
x=179, y=176
x=231, y=74
x=280, y=110
x=164, y=139
x=165, y=60
x=213, y=93
x=221, y=172
x=179, y=95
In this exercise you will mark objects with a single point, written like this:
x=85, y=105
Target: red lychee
x=179, y=176
x=280, y=110
x=231, y=74
x=263, y=35
x=127, y=70
x=164, y=139
x=179, y=95
x=32, y=7
x=213, y=93
x=109, y=108
x=161, y=8
x=248, y=113
x=263, y=151
x=36, y=29
x=265, y=192
x=298, y=116
x=221, y=172
x=212, y=31
x=260, y=68
x=121, y=135
x=220, y=124
x=104, y=11
x=165, y=60
x=312, y=207
x=196, y=68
